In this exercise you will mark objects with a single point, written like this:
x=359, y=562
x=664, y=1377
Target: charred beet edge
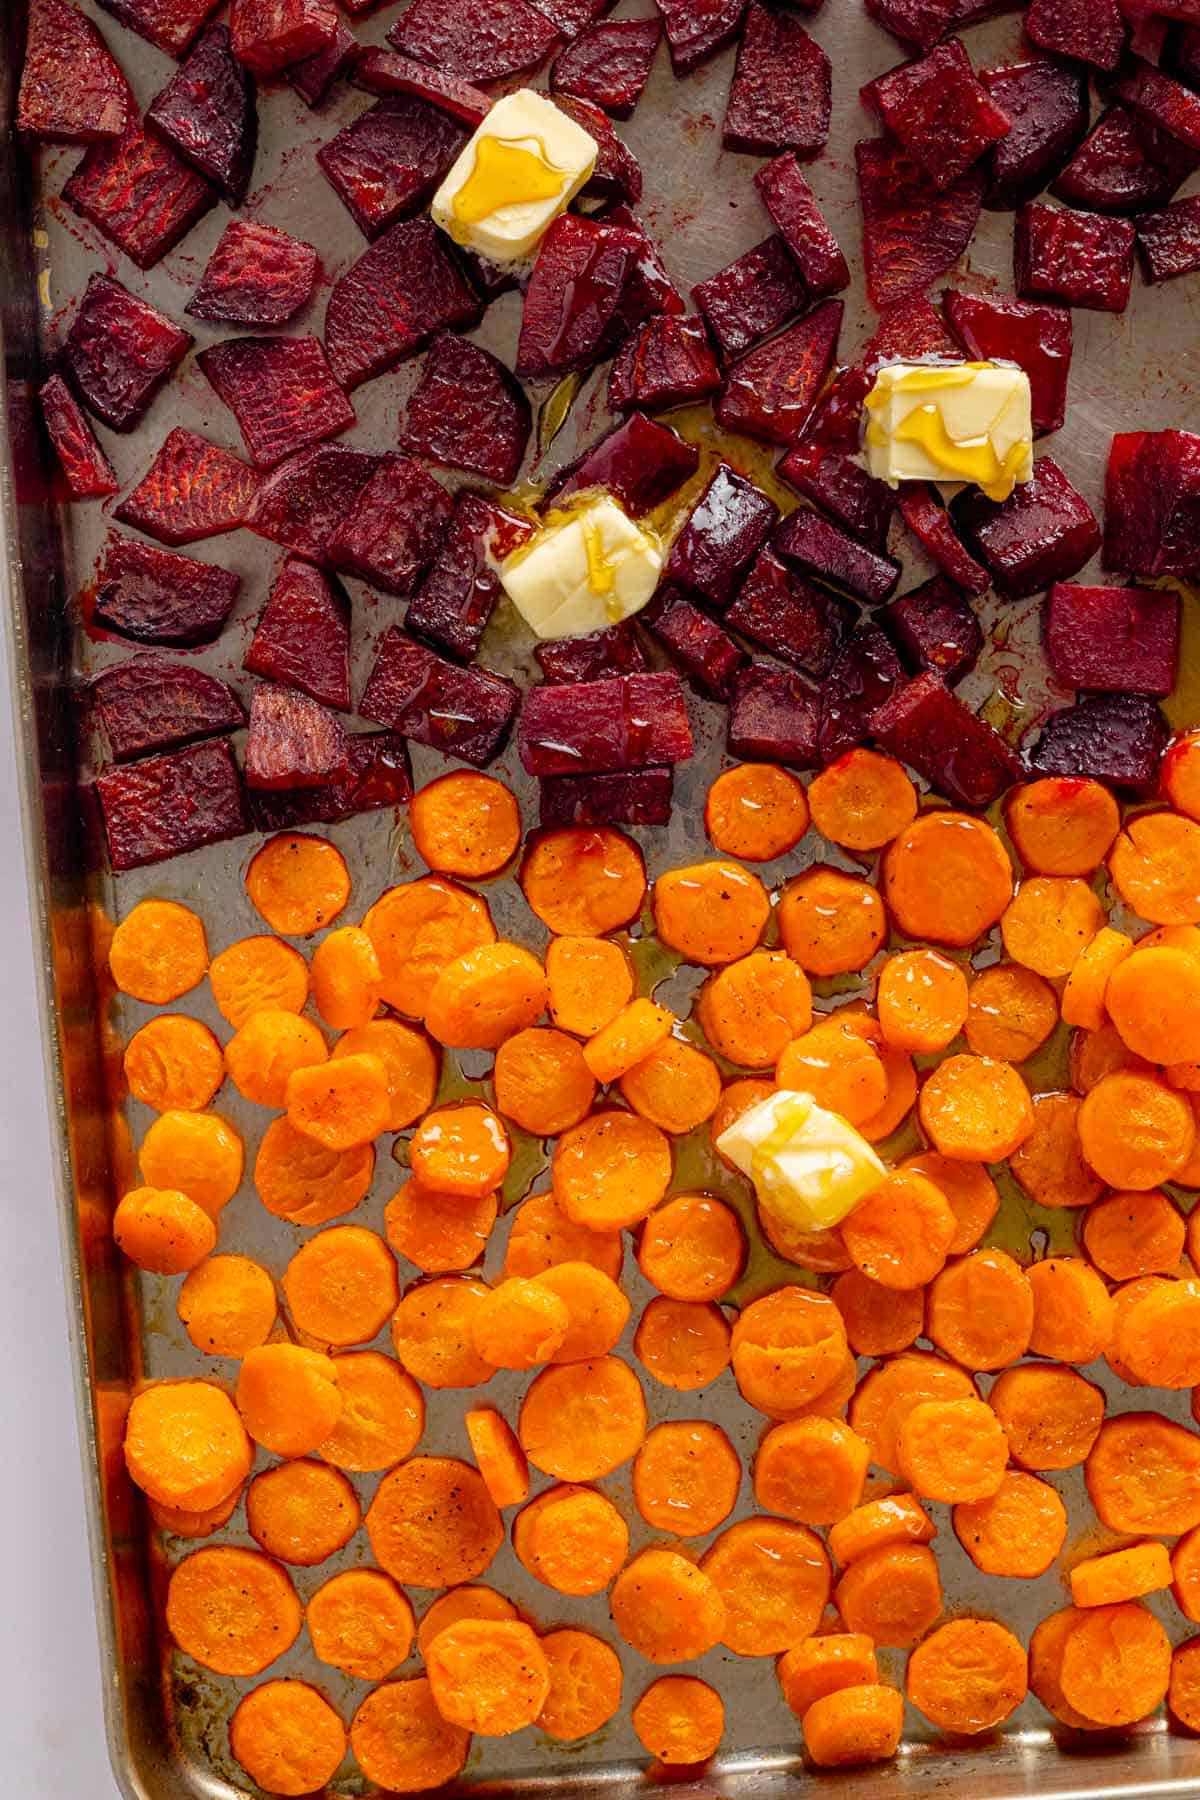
x=281, y=391
x=697, y=29
x=613, y=651
x=705, y=653
x=617, y=175
x=119, y=352
x=770, y=392
x=157, y=597
x=1047, y=104
x=573, y=295
x=919, y=22
x=1117, y=738
x=481, y=40
x=933, y=528
x=268, y=35
x=467, y=412
x=911, y=236
x=1126, y=165
x=303, y=502
x=1164, y=102
x=394, y=527
x=398, y=294
x=1092, y=31
x=781, y=97
x=570, y=17
x=608, y=64
x=72, y=90
x=387, y=72
x=1114, y=640
x=302, y=639
x=801, y=224
x=642, y=463
x=89, y=474
x=934, y=628
x=165, y=805
x=668, y=361
x=1044, y=533
x=141, y=195
x=801, y=623
x=754, y=295
x=865, y=674
x=1152, y=504
x=940, y=111
x=1169, y=241
x=150, y=703
x=818, y=547
x=649, y=290
x=1037, y=338
x=910, y=331
x=774, y=717
x=1078, y=258
x=930, y=729
x=168, y=24
x=379, y=776
x=293, y=741
x=466, y=713
x=833, y=481
x=604, y=727
x=314, y=75
x=725, y=530
x=207, y=113
x=454, y=602
x=257, y=275
x=193, y=489
x=388, y=163
x=641, y=797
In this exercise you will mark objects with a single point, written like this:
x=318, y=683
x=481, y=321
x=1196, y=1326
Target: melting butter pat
x=967, y=422
x=524, y=166
x=587, y=568
x=809, y=1167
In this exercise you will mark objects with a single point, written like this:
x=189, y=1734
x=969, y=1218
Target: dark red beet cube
x=208, y=114
x=819, y=547
x=649, y=290
x=164, y=805
x=454, y=602
x=832, y=480
x=170, y=24
x=399, y=293
x=774, y=717
x=1078, y=258
x=573, y=295
x=866, y=672
x=314, y=75
x=481, y=40
x=668, y=361
x=613, y=651
x=604, y=727
x=1047, y=105
x=119, y=351
x=1162, y=100
x=958, y=753
x=88, y=472
x=293, y=741
x=156, y=597
x=608, y=64
x=1181, y=53
x=725, y=530
x=1091, y=31
x=750, y=297
x=1043, y=533
x=151, y=703
x=1152, y=504
x=1037, y=338
x=640, y=797
x=705, y=653
x=257, y=275
x=307, y=499
x=1114, y=640
x=1117, y=738
x=72, y=90
x=933, y=627
x=281, y=391
x=1126, y=166
x=933, y=528
x=388, y=72
x=193, y=489
x=919, y=22
x=617, y=175
x=781, y=97
x=570, y=17
x=391, y=159
x=268, y=35
x=771, y=391
x=803, y=624
x=379, y=776
x=467, y=412
x=642, y=463
x=940, y=111
x=910, y=331
x=697, y=29
x=302, y=638
x=466, y=713
x=394, y=526
x=801, y=224
x=910, y=234
x=1169, y=241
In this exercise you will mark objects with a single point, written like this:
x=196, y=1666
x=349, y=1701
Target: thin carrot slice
x=1183, y=1694
x=542, y=1236
x=571, y=1538
x=298, y=883
x=840, y=1069
x=185, y=1444
x=677, y=1087
x=637, y=1030
x=900, y=1233
x=854, y=1725
x=518, y=1325
x=1124, y=1299
x=1131, y=1234
x=340, y=1104
x=970, y=1193
x=1049, y=1165
x=158, y=952
x=302, y=1512
x=1118, y=1575
x=692, y=1248
x=465, y=824
x=382, y=1416
x=1010, y=1013
x=922, y=1000
x=233, y=1611
x=976, y=1109
x=1179, y=774
x=288, y=1397
x=901, y=1075
x=342, y=1286
x=433, y=1524
x=580, y=1421
x=879, y=1320
x=1155, y=867
x=980, y=1310
x=584, y=882
x=361, y=1623
x=401, y=1741
x=1085, y=997
x=441, y=1234
x=829, y=922
x=1153, y=998
x=306, y=1182
x=471, y=1601
x=1049, y=922
x=891, y=1594
x=1136, y=1132
x=774, y=1579
x=488, y=1675
x=287, y=1737
x=585, y=1685
x=896, y=1519
x=597, y=1310
x=174, y=1064
x=199, y=1154
x=952, y=1450
x=269, y=1048
x=611, y=1170
x=1095, y=1054
x=683, y=1345
x=417, y=929
x=862, y=801
x=1157, y=1339
x=346, y=978
x=811, y=1470
x=409, y=1060
x=710, y=912
x=1018, y=1531
x=258, y=972
x=1046, y=1648
x=1062, y=825
x=461, y=1149
x=1117, y=1662
x=756, y=812
x=686, y=1478
x=825, y=1665
x=163, y=1231
x=947, y=878
x=887, y=1395
x=787, y=1346
x=968, y=1676
x=590, y=980
x=542, y=1081
x=679, y=1720
x=181, y=1522
x=1072, y=1312
x=227, y=1305
x=1143, y=1475
x=668, y=1609
x=485, y=996
x=432, y=1332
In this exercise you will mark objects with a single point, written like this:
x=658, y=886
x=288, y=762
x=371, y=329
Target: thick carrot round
x=1116, y=1661
x=298, y=883
x=571, y=1538
x=637, y=1030
x=811, y=1470
x=163, y=1231
x=947, y=878
x=488, y=1675
x=1010, y=1013
x=774, y=1579
x=417, y=929
x=409, y=1060
x=1124, y=1299
x=824, y=1665
x=227, y=1305
x=1049, y=1165
x=1185, y=1574
x=580, y=1421
x=1143, y=1475
x=829, y=922
x=584, y=882
x=1118, y=1575
x=341, y=1286
x=158, y=952
x=968, y=1676
x=597, y=1310
x=879, y=1320
x=185, y=1444
x=442, y=1234
x=401, y=1741
x=340, y=1104
x=1153, y=999
x=969, y=1191
x=787, y=1346
x=382, y=1417
x=302, y=1512
x=1046, y=1648
x=1095, y=1054
x=346, y=978
x=1135, y=1132
x=1018, y=1531
x=1049, y=922
x=180, y=1522
x=585, y=1685
x=589, y=981
x=679, y=1720
x=485, y=996
x=751, y=1009
x=433, y=1523
x=677, y=1087
x=886, y=1396
x=692, y=1248
x=1183, y=1693
x=980, y=1310
x=1155, y=867
x=900, y=1233
x=922, y=1000
x=1127, y=1235
x=1157, y=1339
x=255, y=973
x=465, y=824
x=305, y=1182
x=862, y=801
x=1085, y=996
x=901, y=1076
x=542, y=1236
x=952, y=1450
x=611, y=1170
x=267, y=1050
x=518, y=1325
x=895, y=1519
x=233, y=1611
x=288, y=1397
x=174, y=1064
x=361, y=1623
x=841, y=1069
x=686, y=1478
x=287, y=1737
x=433, y=1332
x=711, y=912
x=200, y=1154
x=1062, y=825
x=471, y=1601
x=891, y=1594
x=756, y=812
x=1072, y=1312
x=854, y=1725
x=682, y=1344
x=1179, y=774
x=975, y=1109
x=543, y=1084
x=461, y=1149
x=666, y=1608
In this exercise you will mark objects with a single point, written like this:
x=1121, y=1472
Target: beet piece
x=801, y=224
x=314, y=75
x=933, y=627
x=1079, y=258
x=649, y=290
x=169, y=24
x=379, y=776
x=454, y=602
x=940, y=111
x=705, y=653
x=467, y=412
x=642, y=463
x=1126, y=166
x=570, y=17
x=821, y=548
x=770, y=392
x=268, y=35
x=781, y=97
x=1169, y=241
x=193, y=489
x=750, y=297
x=919, y=22
x=958, y=753
x=617, y=175
x=833, y=481
x=641, y=797
x=399, y=293
x=119, y=351
x=865, y=673
x=1181, y=53
x=1116, y=640
x=774, y=717
x=802, y=624
x=481, y=40
x=910, y=235
x=613, y=651
x=257, y=275
x=387, y=72
x=156, y=597
x=293, y=741
x=207, y=113
x=1116, y=738
x=302, y=638
x=1047, y=104
x=466, y=713
x=390, y=160
x=933, y=527
x=1037, y=338
x=604, y=727
x=668, y=361
x=910, y=331
x=1152, y=504
x=281, y=391
x=1163, y=102
x=164, y=805
x=608, y=64
x=88, y=472
x=572, y=297
x=305, y=501
x=1044, y=532
x=150, y=703
x=725, y=530
x=72, y=89
x=1092, y=31
x=393, y=529
x=697, y=29
x=141, y=195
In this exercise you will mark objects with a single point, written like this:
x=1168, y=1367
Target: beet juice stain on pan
x=1132, y=372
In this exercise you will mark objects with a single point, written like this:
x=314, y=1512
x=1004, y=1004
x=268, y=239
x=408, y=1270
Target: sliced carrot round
x=287, y=1737
x=461, y=1149
x=1051, y=1415
x=409, y=1060
x=666, y=1608
x=339, y=1104
x=1049, y=922
x=831, y=923
x=302, y=1512
x=1143, y=1475
x=485, y=996
x=976, y=1109
x=980, y=1310
x=185, y=1444
x=465, y=824
x=542, y=1236
x=1157, y=1339
x=710, y=912
x=787, y=1347
x=891, y=1594
x=584, y=882
x=947, y=878
x=1062, y=825
x=692, y=1248
x=611, y=1170
x=382, y=1416
x=227, y=1305
x=862, y=801
x=1132, y=1234
x=1117, y=1662
x=886, y=1396
x=471, y=1601
x=432, y=1332
x=686, y=1478
x=811, y=1470
x=585, y=1685
x=896, y=1519
x=258, y=972
x=637, y=1030
x=441, y=1234
x=1155, y=867
x=174, y=1064
x=346, y=978
x=518, y=1325
x=419, y=927
x=824, y=1665
x=900, y=1233
x=433, y=1523
x=197, y=1154
x=774, y=1578
x=571, y=1538
x=1010, y=1013
x=1018, y=1531
x=1183, y=1694
x=231, y=1610
x=1118, y=1575
x=1153, y=999
x=267, y=1050
x=756, y=812
x=952, y=1450
x=580, y=1421
x=542, y=1082
x=879, y=1320
x=682, y=1344
x=306, y=1182
x=341, y=1286
x=589, y=980
x=922, y=1000
x=968, y=1676
x=401, y=1741
x=297, y=883
x=1135, y=1132
x=677, y=1087
x=1085, y=997
x=751, y=1009
x=163, y=1231
x=361, y=1623
x=969, y=1191
x=288, y=1397
x=841, y=1070
x=1046, y=1648
x=1049, y=1165
x=679, y=1720
x=158, y=952
x=488, y=1675
x=498, y=1456
x=854, y=1725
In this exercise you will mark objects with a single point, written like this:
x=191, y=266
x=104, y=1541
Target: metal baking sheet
x=166, y=1717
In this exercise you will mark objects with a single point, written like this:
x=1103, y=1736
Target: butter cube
x=587, y=568
x=524, y=166
x=809, y=1167
x=964, y=422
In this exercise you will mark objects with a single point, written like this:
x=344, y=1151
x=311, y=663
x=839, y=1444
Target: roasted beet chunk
x=164, y=805
x=387, y=72
x=933, y=627
x=1043, y=533
x=866, y=672
x=641, y=797
x=697, y=29
x=303, y=635
x=89, y=474
x=394, y=527
x=573, y=295
x=770, y=392
x=402, y=290
x=390, y=160
x=467, y=713
x=1092, y=31
x=910, y=331
x=72, y=90
x=453, y=604
x=293, y=741
x=156, y=597
x=1078, y=258
x=614, y=651
x=958, y=753
x=1152, y=504
x=774, y=717
x=782, y=87
x=150, y=703
x=705, y=653
x=1115, y=640
x=1125, y=166
x=119, y=351
x=467, y=412
x=818, y=547
x=754, y=295
x=642, y=463
x=281, y=391
x=801, y=224
x=911, y=235
x=832, y=480
x=933, y=528
x=604, y=727
x=727, y=527
x=649, y=290
x=379, y=776
x=803, y=624
x=207, y=113
x=919, y=22
x=608, y=64
x=193, y=489
x=303, y=502
x=170, y=24
x=257, y=275
x=482, y=40
x=1165, y=102
x=1169, y=241
x=314, y=75
x=570, y=17
x=141, y=195
x=666, y=362
x=270, y=34
x=1118, y=738
x=940, y=111
x=1037, y=338
x=617, y=175
x=1047, y=105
